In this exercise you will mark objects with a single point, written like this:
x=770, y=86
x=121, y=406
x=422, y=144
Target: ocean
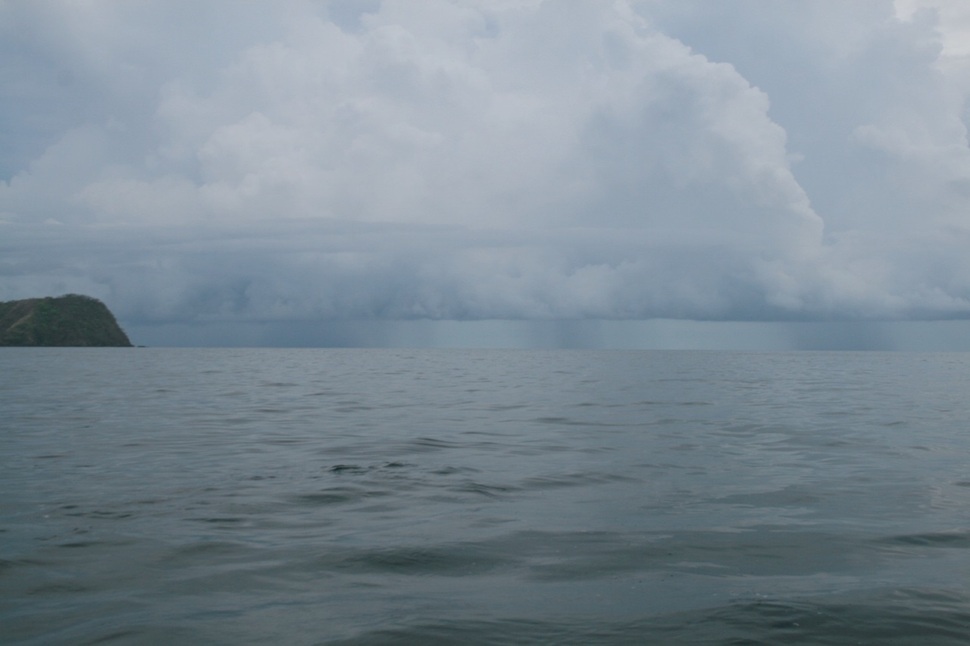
x=344, y=496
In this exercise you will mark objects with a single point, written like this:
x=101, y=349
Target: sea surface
x=266, y=496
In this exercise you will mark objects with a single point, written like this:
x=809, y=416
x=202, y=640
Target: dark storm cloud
x=221, y=162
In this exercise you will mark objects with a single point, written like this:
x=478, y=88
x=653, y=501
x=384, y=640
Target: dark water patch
x=580, y=479
x=540, y=448
x=551, y=420
x=959, y=539
x=452, y=470
x=484, y=489
x=348, y=468
x=78, y=627
x=116, y=637
x=586, y=555
x=7, y=566
x=202, y=551
x=219, y=520
x=284, y=441
x=788, y=497
x=100, y=514
x=587, y=423
x=472, y=632
x=898, y=618
x=148, y=502
x=430, y=444
x=352, y=408
x=337, y=496
x=80, y=544
x=58, y=588
x=498, y=408
x=451, y=560
x=373, y=469
x=236, y=420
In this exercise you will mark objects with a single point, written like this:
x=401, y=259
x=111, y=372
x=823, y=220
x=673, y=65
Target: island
x=70, y=320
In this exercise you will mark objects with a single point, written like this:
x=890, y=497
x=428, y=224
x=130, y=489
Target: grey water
x=250, y=496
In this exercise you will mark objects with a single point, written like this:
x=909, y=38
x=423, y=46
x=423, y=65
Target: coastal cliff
x=71, y=320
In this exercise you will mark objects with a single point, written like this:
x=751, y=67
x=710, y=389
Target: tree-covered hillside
x=71, y=320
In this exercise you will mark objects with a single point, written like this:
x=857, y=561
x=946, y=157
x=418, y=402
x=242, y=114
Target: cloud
x=220, y=162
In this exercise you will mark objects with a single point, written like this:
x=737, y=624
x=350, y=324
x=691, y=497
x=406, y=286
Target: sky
x=756, y=174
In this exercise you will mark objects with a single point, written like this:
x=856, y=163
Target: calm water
x=388, y=496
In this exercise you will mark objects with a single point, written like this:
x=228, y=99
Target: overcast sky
x=256, y=172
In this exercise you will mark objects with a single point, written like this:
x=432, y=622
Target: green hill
x=70, y=320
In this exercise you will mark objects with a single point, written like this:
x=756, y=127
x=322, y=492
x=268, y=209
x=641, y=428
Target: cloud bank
x=300, y=161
